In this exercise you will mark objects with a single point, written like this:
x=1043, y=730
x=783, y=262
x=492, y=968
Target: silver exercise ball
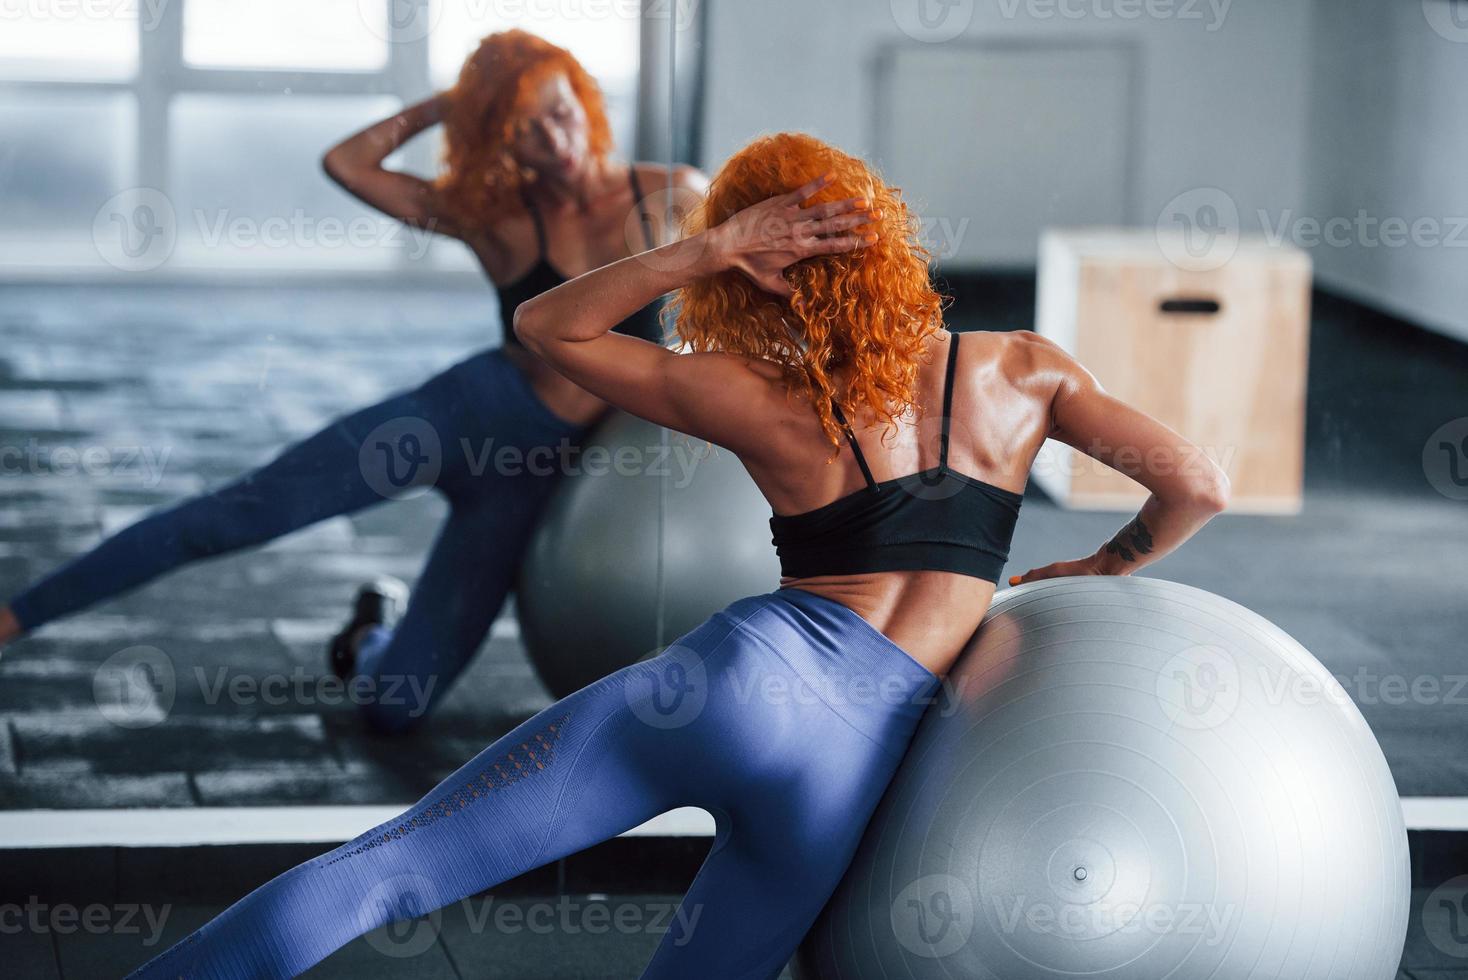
x=1128, y=779
x=587, y=596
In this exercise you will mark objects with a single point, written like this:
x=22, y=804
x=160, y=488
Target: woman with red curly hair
x=531, y=188
x=894, y=459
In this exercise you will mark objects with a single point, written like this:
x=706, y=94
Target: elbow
x=331, y=165
x=527, y=327
x=1210, y=492
x=337, y=167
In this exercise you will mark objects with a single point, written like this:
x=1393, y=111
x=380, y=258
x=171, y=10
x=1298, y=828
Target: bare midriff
x=931, y=615
x=565, y=400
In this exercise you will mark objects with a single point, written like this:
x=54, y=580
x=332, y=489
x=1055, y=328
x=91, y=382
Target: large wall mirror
x=292, y=526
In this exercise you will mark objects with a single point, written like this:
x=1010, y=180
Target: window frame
x=163, y=73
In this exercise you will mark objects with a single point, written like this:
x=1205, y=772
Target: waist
x=931, y=615
x=841, y=658
x=563, y=397
x=500, y=387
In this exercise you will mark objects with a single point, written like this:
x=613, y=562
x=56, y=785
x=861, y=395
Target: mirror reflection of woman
x=531, y=188
x=893, y=457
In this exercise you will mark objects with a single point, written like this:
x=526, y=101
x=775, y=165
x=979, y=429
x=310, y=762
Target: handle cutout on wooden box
x=1190, y=306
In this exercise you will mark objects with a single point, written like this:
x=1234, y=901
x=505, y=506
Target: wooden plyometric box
x=1215, y=349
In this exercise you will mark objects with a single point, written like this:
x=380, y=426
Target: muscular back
x=1004, y=388
x=1010, y=392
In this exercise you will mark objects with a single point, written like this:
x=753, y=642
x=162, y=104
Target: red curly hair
x=865, y=315
x=494, y=90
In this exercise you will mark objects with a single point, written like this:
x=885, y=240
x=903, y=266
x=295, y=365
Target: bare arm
x=1187, y=488
x=711, y=396
x=356, y=164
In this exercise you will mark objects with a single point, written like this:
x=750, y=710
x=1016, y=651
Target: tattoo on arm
x=1130, y=541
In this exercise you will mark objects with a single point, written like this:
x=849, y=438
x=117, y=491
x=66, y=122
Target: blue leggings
x=476, y=433
x=784, y=716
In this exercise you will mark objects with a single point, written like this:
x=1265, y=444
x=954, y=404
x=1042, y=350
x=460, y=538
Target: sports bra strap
x=647, y=235
x=539, y=225
x=947, y=402
x=861, y=460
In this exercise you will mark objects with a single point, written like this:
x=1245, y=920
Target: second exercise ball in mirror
x=587, y=597
x=1128, y=779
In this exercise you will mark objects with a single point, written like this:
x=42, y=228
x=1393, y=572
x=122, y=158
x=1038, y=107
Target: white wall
x=1220, y=100
x=1389, y=135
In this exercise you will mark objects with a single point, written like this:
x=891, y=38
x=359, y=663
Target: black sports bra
x=543, y=277
x=934, y=520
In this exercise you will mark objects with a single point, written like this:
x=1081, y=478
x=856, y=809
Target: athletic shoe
x=379, y=602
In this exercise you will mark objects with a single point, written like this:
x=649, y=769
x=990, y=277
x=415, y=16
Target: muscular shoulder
x=654, y=176
x=1036, y=368
x=1033, y=361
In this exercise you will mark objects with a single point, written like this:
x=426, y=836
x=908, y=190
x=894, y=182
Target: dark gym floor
x=210, y=381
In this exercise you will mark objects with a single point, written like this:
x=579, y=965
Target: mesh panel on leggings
x=532, y=756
